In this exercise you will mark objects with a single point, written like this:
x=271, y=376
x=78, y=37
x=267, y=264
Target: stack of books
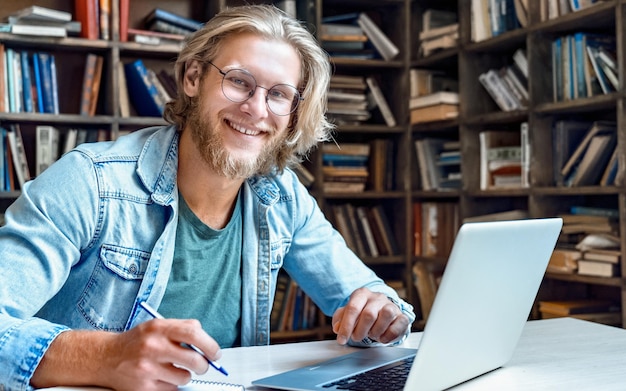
x=440, y=30
x=345, y=167
x=584, y=65
x=504, y=158
x=347, y=100
x=170, y=22
x=508, y=85
x=41, y=21
x=356, y=35
x=438, y=106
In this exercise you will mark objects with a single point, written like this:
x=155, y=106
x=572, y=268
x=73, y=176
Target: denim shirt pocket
x=108, y=298
x=278, y=249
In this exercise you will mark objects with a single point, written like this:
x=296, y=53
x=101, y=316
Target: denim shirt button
x=262, y=285
x=132, y=269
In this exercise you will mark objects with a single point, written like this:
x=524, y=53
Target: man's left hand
x=369, y=314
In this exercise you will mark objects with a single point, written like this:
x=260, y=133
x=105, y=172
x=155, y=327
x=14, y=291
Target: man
x=195, y=218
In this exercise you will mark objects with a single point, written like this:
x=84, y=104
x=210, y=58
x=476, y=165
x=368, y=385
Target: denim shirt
x=93, y=235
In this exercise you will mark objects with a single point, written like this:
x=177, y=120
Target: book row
x=19, y=163
x=28, y=82
x=366, y=229
x=355, y=167
x=356, y=99
x=584, y=65
x=92, y=20
x=293, y=310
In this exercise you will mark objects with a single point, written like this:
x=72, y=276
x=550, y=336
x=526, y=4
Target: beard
x=209, y=142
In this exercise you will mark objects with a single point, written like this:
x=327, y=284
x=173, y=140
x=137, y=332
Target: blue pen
x=156, y=315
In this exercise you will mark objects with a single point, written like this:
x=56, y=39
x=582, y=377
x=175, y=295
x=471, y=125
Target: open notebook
x=486, y=293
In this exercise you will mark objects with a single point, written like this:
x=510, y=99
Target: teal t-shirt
x=205, y=282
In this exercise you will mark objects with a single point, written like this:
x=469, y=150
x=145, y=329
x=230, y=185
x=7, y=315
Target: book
x=385, y=47
x=564, y=260
x=124, y=11
x=4, y=96
x=596, y=268
x=603, y=255
x=47, y=147
x=18, y=153
x=48, y=91
x=86, y=12
x=38, y=30
x=597, y=128
x=105, y=19
x=159, y=14
x=436, y=98
x=438, y=112
x=88, y=78
x=95, y=87
x=380, y=220
x=500, y=154
x=28, y=99
x=593, y=163
x=142, y=93
x=570, y=307
x=36, y=12
x=124, y=100
x=566, y=136
x=381, y=102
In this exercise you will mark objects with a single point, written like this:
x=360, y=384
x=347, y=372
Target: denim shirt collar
x=160, y=181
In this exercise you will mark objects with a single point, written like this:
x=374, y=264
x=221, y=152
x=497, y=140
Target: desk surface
x=552, y=354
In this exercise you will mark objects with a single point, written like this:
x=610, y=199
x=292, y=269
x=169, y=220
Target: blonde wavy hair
x=308, y=125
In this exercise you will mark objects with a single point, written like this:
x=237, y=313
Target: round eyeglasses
x=239, y=85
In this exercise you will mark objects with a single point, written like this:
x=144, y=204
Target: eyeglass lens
x=239, y=86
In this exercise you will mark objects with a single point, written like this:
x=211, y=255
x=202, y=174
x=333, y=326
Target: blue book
x=38, y=84
x=580, y=58
x=54, y=85
x=46, y=82
x=142, y=93
x=344, y=160
x=27, y=95
x=175, y=19
x=11, y=79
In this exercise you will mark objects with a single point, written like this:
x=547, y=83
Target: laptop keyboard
x=389, y=377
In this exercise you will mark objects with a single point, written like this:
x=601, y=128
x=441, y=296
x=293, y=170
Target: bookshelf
x=402, y=21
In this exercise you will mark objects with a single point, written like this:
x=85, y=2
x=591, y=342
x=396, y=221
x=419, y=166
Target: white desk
x=554, y=354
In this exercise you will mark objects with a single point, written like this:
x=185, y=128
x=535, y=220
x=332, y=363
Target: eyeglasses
x=239, y=85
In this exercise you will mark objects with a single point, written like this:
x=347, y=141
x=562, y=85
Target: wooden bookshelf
x=401, y=21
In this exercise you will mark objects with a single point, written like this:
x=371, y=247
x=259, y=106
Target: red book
x=87, y=15
x=124, y=9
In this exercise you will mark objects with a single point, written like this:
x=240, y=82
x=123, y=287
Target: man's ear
x=191, y=80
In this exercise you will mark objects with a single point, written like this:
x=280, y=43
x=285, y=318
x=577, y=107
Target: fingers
x=154, y=355
x=369, y=315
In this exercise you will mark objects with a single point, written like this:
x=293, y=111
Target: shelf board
x=574, y=191
x=68, y=44
x=69, y=119
x=444, y=194
x=367, y=194
x=599, y=14
x=608, y=281
x=497, y=117
x=370, y=128
x=356, y=63
x=594, y=103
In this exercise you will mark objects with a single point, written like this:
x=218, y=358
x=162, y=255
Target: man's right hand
x=147, y=357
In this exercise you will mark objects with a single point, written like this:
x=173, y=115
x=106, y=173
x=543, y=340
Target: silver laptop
x=484, y=299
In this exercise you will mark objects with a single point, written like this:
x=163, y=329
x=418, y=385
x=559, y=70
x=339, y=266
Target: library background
x=447, y=111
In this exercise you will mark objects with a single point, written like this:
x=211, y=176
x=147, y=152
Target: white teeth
x=244, y=130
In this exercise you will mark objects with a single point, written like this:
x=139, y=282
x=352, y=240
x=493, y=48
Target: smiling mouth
x=243, y=130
